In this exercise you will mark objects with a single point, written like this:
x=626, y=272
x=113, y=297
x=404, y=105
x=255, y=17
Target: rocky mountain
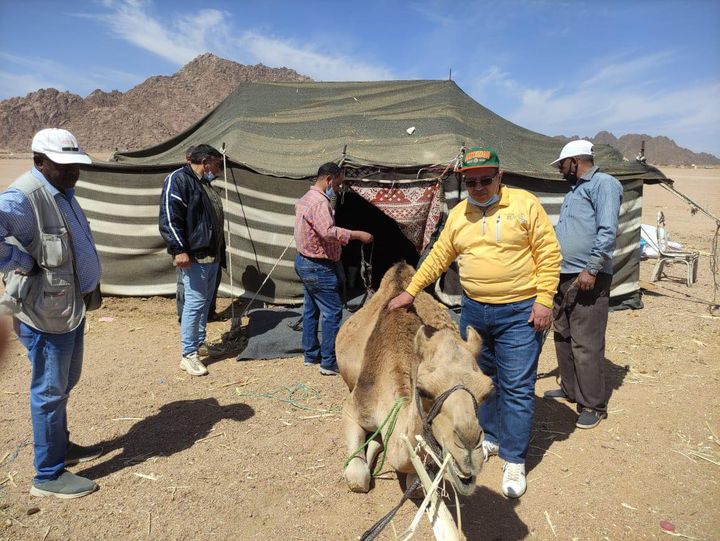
x=153, y=111
x=659, y=150
x=163, y=106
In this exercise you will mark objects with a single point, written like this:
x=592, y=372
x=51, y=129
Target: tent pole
x=344, y=156
x=229, y=242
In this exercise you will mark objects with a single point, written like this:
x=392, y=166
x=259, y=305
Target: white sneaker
x=192, y=365
x=489, y=449
x=513, y=481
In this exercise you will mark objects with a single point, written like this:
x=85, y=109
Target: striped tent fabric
x=275, y=135
x=122, y=208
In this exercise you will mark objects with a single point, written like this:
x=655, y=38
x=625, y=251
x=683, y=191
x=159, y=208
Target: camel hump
x=396, y=279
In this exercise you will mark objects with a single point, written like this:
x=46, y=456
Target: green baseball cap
x=477, y=157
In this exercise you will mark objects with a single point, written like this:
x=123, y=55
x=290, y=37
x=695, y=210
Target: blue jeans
x=56, y=361
x=322, y=297
x=199, y=284
x=510, y=352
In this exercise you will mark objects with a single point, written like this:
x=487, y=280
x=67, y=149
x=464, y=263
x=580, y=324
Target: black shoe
x=557, y=394
x=77, y=453
x=590, y=418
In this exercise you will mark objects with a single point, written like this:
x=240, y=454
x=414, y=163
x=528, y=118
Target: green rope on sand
x=293, y=396
x=390, y=420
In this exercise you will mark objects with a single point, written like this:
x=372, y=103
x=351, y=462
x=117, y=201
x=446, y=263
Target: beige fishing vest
x=49, y=300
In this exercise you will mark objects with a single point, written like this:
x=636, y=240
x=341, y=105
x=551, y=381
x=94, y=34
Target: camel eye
x=424, y=394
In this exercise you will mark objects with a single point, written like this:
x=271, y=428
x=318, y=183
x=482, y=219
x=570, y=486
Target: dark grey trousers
x=580, y=323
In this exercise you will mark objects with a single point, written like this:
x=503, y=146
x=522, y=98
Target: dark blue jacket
x=186, y=216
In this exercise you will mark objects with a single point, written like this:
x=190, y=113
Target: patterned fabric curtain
x=415, y=206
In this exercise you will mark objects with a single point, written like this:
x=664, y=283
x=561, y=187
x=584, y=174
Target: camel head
x=446, y=361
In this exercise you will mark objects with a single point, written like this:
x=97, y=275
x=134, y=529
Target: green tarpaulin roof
x=289, y=129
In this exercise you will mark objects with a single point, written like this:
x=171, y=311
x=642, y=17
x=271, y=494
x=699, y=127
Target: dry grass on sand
x=210, y=457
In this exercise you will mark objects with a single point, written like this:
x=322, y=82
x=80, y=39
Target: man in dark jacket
x=191, y=223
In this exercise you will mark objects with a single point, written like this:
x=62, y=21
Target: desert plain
x=255, y=450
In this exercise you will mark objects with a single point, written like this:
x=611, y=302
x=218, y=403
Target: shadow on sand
x=176, y=427
x=490, y=516
x=554, y=420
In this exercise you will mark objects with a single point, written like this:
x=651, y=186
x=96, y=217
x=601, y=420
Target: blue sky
x=556, y=67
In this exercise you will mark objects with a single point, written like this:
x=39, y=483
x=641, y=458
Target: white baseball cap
x=575, y=148
x=60, y=146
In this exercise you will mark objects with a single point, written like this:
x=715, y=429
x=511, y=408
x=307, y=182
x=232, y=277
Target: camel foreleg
x=357, y=472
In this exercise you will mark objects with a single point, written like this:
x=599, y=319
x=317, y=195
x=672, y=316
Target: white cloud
x=438, y=12
x=492, y=80
x=619, y=69
x=212, y=30
x=33, y=73
x=306, y=60
x=178, y=40
x=622, y=96
x=13, y=84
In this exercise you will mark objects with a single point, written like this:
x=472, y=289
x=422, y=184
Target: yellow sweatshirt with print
x=508, y=254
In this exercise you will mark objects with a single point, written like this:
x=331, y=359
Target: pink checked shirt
x=315, y=232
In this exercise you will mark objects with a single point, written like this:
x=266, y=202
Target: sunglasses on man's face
x=562, y=163
x=482, y=181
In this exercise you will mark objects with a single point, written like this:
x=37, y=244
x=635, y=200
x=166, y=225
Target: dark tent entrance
x=389, y=246
x=401, y=208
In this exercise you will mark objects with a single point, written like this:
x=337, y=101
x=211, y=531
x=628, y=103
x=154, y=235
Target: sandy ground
x=228, y=456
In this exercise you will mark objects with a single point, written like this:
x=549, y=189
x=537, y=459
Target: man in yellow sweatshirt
x=509, y=262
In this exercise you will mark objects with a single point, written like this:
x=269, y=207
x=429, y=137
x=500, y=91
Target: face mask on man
x=494, y=199
x=209, y=176
x=571, y=175
x=329, y=192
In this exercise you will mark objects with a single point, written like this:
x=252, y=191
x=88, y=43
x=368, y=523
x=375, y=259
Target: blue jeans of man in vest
x=323, y=297
x=510, y=352
x=56, y=365
x=199, y=283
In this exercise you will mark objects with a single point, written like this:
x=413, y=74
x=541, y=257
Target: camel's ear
x=474, y=341
x=423, y=334
x=479, y=385
x=427, y=381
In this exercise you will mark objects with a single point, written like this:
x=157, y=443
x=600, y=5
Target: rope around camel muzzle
x=374, y=530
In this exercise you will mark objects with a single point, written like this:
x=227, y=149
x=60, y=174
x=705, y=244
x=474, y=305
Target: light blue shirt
x=588, y=223
x=17, y=220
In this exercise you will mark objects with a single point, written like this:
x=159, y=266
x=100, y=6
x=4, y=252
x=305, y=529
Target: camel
x=417, y=353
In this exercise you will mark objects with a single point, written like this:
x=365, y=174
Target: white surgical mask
x=329, y=192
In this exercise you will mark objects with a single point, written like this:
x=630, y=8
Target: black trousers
x=580, y=324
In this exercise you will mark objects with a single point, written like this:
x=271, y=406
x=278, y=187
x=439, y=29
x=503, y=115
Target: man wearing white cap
x=51, y=271
x=586, y=231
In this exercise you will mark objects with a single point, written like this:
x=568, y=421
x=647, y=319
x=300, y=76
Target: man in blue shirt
x=586, y=231
x=51, y=269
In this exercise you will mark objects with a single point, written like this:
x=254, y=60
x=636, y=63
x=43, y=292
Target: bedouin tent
x=397, y=141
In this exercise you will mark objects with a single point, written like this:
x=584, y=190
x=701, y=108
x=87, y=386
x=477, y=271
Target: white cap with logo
x=575, y=148
x=60, y=146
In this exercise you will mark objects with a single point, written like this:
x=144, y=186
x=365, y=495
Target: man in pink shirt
x=319, y=243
